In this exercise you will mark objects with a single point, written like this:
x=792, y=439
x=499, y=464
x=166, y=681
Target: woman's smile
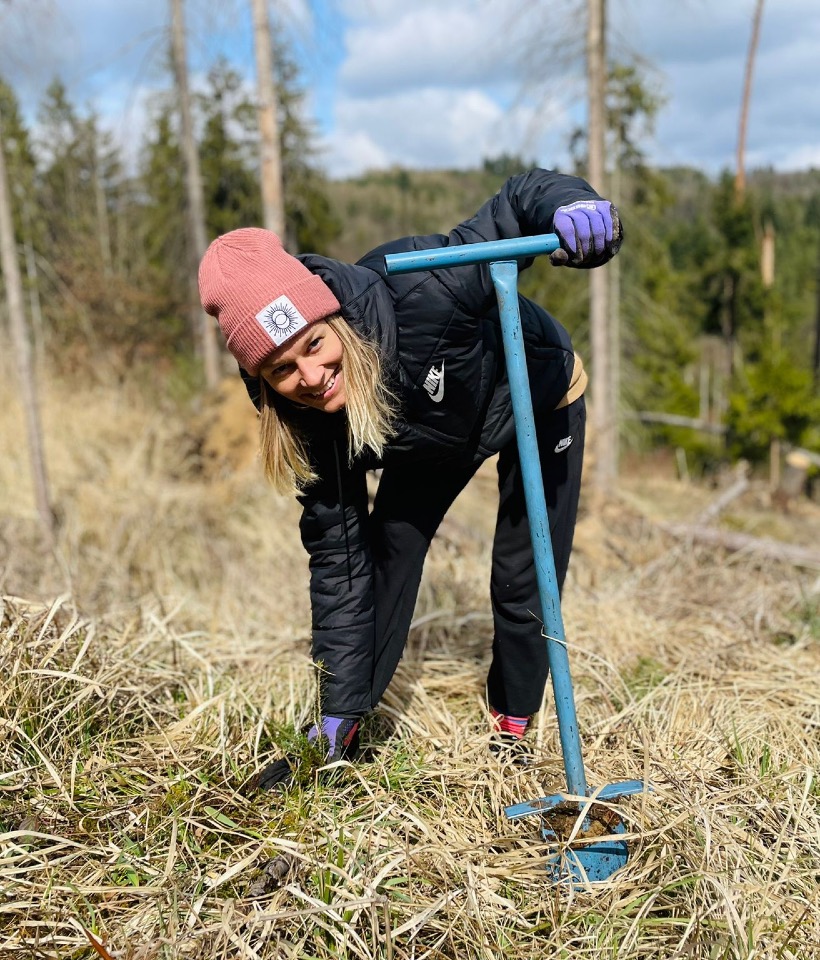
x=329, y=388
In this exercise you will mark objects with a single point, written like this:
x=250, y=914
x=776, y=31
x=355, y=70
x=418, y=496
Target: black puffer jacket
x=447, y=321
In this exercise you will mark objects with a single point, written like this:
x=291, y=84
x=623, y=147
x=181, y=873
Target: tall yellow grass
x=147, y=671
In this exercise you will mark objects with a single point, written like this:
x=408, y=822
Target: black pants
x=410, y=504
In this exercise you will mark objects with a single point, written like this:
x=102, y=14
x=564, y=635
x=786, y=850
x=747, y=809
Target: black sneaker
x=511, y=749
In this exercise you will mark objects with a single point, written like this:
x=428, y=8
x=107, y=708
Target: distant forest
x=717, y=297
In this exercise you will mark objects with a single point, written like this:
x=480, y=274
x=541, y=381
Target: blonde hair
x=370, y=407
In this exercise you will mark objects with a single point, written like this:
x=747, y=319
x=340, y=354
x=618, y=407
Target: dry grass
x=148, y=674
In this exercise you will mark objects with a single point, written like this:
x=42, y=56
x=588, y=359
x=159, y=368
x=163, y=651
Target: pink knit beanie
x=261, y=295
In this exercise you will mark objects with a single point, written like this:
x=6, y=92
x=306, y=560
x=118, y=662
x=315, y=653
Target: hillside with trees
x=703, y=334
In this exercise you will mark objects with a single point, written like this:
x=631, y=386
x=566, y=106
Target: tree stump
x=792, y=480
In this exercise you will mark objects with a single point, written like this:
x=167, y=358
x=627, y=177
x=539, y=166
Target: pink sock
x=504, y=723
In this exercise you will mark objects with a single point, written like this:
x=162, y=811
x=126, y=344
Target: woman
x=351, y=369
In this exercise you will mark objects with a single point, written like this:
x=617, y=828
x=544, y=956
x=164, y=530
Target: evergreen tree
x=66, y=174
x=226, y=149
x=311, y=223
x=161, y=228
x=71, y=253
x=773, y=399
x=162, y=186
x=731, y=279
x=20, y=163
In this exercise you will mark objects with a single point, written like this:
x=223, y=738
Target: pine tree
x=20, y=162
x=160, y=225
x=311, y=223
x=227, y=148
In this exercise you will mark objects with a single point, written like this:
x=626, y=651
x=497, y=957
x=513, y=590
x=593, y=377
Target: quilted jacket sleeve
x=524, y=206
x=334, y=532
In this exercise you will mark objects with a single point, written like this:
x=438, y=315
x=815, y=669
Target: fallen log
x=737, y=489
x=763, y=547
x=676, y=420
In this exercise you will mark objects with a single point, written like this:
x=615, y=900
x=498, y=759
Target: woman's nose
x=311, y=373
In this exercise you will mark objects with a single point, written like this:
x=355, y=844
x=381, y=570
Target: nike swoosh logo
x=434, y=384
x=562, y=445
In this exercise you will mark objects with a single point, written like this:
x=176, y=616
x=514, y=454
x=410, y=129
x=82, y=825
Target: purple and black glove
x=338, y=739
x=590, y=233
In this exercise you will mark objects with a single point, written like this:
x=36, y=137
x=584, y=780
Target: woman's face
x=308, y=370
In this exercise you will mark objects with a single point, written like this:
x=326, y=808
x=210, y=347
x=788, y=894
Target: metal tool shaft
x=505, y=279
x=518, y=248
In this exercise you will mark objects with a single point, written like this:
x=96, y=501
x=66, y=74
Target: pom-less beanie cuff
x=260, y=295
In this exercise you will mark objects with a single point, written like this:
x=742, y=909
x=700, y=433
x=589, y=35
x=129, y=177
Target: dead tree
x=816, y=358
x=740, y=173
x=604, y=414
x=197, y=241
x=22, y=352
x=268, y=112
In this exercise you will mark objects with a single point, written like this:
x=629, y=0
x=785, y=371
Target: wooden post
x=792, y=482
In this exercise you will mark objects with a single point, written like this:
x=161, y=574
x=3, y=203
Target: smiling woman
x=407, y=373
x=347, y=370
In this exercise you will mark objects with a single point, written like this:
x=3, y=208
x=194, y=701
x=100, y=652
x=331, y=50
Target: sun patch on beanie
x=281, y=320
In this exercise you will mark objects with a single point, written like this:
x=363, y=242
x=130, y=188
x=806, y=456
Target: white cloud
x=434, y=84
x=445, y=45
x=701, y=46
x=347, y=155
x=383, y=11
x=433, y=127
x=800, y=158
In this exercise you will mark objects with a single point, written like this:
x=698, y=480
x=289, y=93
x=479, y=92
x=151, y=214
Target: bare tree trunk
x=200, y=321
x=816, y=360
x=22, y=350
x=614, y=293
x=103, y=225
x=35, y=310
x=268, y=112
x=740, y=173
x=604, y=412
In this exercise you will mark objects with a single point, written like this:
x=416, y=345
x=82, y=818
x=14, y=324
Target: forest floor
x=153, y=666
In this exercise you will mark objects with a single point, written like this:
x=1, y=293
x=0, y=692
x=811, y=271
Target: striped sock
x=504, y=723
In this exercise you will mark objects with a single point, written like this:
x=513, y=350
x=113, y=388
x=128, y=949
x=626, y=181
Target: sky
x=448, y=83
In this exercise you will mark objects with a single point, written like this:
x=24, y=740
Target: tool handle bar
x=461, y=255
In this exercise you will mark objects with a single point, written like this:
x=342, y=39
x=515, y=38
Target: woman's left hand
x=590, y=233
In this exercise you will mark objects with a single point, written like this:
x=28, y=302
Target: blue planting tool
x=593, y=851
